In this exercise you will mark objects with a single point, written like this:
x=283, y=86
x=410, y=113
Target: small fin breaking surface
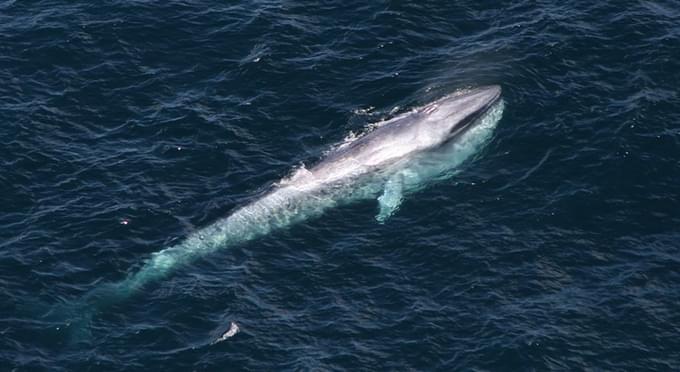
x=231, y=332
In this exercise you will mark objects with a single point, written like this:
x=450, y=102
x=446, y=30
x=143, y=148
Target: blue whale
x=396, y=158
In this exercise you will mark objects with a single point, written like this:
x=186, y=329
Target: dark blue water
x=127, y=125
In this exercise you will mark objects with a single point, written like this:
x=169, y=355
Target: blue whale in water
x=400, y=156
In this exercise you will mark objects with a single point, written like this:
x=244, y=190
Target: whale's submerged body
x=399, y=157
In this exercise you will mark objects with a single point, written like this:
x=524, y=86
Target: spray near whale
x=401, y=156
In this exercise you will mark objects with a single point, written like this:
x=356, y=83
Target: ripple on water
x=128, y=125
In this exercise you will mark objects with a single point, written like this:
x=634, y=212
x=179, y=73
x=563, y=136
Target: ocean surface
x=126, y=126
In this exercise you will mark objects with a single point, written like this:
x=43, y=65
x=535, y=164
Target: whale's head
x=451, y=115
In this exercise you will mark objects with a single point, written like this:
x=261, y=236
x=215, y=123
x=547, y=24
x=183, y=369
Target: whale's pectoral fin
x=392, y=195
x=390, y=200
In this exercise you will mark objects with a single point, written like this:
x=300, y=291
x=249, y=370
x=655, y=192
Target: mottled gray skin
x=421, y=129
